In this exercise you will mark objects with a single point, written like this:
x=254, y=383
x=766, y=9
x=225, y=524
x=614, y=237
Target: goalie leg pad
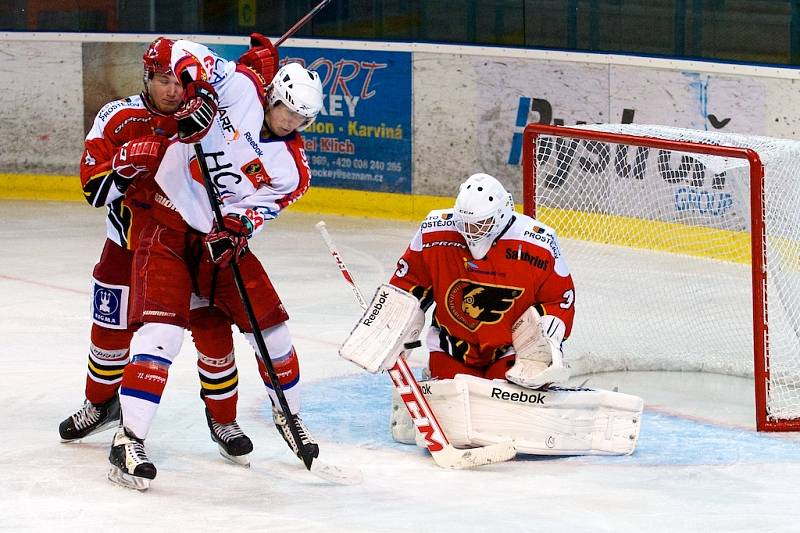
x=402, y=427
x=479, y=412
x=391, y=320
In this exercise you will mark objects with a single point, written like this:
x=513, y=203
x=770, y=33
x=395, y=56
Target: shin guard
x=154, y=347
x=216, y=365
x=284, y=360
x=108, y=355
x=143, y=384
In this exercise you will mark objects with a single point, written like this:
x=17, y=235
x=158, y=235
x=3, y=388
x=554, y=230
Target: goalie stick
x=335, y=474
x=444, y=454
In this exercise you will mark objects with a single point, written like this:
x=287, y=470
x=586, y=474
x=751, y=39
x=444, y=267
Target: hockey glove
x=137, y=158
x=229, y=242
x=537, y=341
x=390, y=326
x=197, y=113
x=262, y=57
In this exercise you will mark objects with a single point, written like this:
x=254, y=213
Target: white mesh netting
x=658, y=242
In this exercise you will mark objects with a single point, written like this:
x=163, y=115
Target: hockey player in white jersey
x=249, y=135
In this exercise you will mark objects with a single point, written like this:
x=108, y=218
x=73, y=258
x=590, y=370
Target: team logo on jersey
x=533, y=260
x=541, y=235
x=473, y=304
x=256, y=173
x=447, y=216
x=472, y=266
x=192, y=64
x=110, y=305
x=253, y=144
x=89, y=160
x=226, y=124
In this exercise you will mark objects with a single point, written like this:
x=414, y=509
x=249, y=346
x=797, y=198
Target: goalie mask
x=482, y=211
x=298, y=89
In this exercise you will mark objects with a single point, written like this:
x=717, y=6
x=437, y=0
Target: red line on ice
x=42, y=284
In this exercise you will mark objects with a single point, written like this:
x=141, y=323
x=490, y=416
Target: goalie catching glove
x=391, y=321
x=537, y=341
x=229, y=242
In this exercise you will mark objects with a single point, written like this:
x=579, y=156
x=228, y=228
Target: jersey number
x=569, y=299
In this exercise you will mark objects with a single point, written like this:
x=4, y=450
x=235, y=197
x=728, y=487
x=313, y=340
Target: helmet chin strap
x=502, y=232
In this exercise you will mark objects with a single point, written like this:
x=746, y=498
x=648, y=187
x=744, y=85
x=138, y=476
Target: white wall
x=41, y=114
x=466, y=99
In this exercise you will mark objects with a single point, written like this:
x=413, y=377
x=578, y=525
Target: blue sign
x=362, y=137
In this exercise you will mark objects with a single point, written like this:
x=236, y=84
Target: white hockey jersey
x=254, y=176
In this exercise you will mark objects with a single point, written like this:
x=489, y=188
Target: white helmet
x=483, y=210
x=299, y=89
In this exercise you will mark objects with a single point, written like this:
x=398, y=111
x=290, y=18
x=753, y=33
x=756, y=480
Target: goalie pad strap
x=392, y=319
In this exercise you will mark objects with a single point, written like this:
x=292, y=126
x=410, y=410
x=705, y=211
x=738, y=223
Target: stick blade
x=336, y=474
x=451, y=457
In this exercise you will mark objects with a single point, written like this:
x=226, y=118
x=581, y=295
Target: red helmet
x=157, y=58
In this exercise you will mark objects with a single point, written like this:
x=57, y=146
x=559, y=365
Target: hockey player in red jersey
x=503, y=293
x=510, y=264
x=254, y=153
x=504, y=303
x=122, y=152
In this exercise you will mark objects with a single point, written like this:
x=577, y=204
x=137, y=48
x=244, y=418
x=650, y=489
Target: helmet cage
x=482, y=211
x=474, y=231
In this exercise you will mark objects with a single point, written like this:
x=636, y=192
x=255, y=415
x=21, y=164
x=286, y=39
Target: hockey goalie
x=503, y=304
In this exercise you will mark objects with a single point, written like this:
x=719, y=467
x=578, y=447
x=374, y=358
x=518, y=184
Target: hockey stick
x=325, y=471
x=300, y=23
x=443, y=453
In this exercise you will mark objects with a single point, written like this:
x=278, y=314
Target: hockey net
x=685, y=250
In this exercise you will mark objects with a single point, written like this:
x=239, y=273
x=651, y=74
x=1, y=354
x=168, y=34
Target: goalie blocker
x=476, y=412
x=392, y=320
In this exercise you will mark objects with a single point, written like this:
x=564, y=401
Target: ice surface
x=700, y=465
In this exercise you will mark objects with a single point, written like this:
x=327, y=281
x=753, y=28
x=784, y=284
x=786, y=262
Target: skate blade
x=241, y=460
x=116, y=475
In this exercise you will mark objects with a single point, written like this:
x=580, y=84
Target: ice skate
x=233, y=444
x=90, y=419
x=130, y=466
x=308, y=442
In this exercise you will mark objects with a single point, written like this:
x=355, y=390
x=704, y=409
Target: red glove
x=138, y=157
x=261, y=57
x=229, y=242
x=197, y=113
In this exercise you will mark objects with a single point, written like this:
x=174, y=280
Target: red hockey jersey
x=477, y=301
x=115, y=124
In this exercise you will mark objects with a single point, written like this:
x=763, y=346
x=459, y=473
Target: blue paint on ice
x=355, y=410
